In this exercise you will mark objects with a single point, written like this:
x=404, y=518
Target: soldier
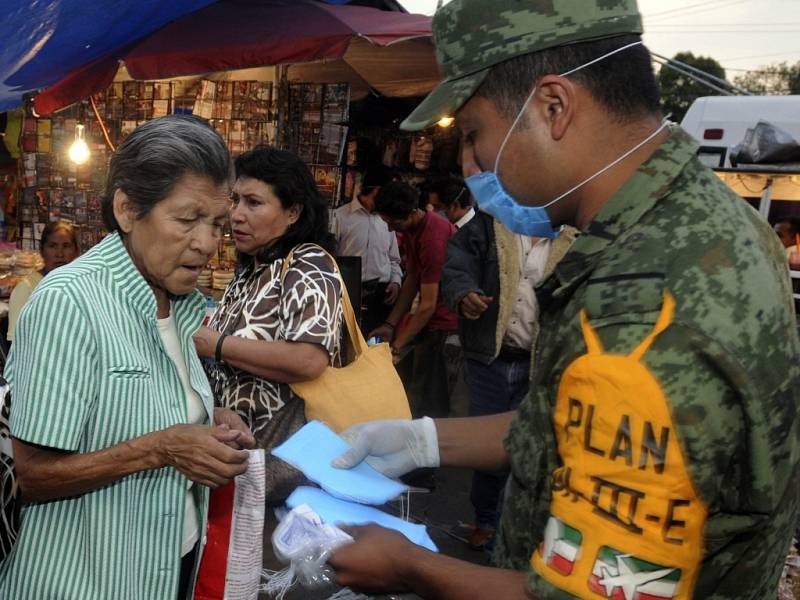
x=657, y=453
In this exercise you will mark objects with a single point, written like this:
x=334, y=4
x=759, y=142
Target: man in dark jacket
x=488, y=280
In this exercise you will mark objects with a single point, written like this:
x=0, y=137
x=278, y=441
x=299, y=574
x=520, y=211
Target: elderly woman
x=116, y=440
x=58, y=246
x=271, y=330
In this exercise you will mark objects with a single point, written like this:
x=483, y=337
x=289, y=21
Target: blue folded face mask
x=532, y=221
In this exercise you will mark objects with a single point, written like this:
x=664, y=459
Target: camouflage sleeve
x=735, y=441
x=736, y=434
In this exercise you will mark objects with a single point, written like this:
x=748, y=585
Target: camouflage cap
x=473, y=35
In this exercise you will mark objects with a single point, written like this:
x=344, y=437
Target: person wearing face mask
x=58, y=246
x=656, y=455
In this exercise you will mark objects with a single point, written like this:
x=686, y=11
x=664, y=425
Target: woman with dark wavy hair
x=274, y=325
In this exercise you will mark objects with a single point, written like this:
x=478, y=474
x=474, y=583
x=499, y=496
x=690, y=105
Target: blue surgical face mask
x=532, y=221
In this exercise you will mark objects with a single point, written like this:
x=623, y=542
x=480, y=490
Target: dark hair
x=623, y=83
x=376, y=177
x=397, y=200
x=451, y=189
x=154, y=158
x=792, y=222
x=54, y=226
x=293, y=184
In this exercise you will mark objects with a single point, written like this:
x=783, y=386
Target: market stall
x=331, y=84
x=211, y=62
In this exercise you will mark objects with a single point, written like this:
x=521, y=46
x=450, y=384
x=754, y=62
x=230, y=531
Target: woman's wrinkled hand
x=202, y=453
x=227, y=418
x=205, y=340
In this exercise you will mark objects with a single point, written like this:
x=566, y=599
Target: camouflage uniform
x=728, y=363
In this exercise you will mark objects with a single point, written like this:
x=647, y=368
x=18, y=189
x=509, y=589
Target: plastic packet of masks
x=303, y=541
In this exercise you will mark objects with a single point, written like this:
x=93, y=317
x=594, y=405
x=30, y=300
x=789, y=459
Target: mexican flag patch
x=624, y=577
x=561, y=546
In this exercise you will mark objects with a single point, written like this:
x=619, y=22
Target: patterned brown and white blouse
x=304, y=307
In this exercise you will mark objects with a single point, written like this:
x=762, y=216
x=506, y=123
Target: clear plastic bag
x=304, y=542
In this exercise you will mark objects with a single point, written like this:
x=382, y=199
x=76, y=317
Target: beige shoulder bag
x=367, y=389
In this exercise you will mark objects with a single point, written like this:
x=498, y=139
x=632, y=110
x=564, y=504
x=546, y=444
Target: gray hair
x=156, y=155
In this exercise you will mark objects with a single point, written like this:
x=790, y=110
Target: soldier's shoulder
x=717, y=248
x=724, y=265
x=713, y=252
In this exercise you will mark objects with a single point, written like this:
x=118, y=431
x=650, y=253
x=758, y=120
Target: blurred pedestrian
x=451, y=193
x=431, y=330
x=361, y=232
x=58, y=247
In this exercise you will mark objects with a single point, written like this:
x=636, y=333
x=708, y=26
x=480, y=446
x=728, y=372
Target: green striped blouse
x=87, y=371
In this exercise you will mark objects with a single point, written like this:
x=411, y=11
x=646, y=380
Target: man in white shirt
x=453, y=196
x=361, y=232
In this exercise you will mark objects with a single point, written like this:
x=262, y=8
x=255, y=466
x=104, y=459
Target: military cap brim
x=444, y=101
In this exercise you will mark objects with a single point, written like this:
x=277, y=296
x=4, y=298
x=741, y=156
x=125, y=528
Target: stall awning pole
x=766, y=200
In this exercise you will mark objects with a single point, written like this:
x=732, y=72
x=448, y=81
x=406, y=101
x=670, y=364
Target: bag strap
x=353, y=330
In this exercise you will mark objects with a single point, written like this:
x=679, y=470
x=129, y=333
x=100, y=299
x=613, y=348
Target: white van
x=719, y=122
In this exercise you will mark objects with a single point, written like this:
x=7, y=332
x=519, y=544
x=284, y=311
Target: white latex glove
x=393, y=447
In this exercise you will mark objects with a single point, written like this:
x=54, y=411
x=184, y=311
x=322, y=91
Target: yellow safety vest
x=626, y=521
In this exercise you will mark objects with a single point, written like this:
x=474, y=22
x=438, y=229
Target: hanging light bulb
x=79, y=150
x=445, y=122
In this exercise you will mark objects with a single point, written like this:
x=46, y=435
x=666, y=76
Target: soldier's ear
x=555, y=101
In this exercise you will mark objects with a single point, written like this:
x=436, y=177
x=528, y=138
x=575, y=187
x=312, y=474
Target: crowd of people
x=623, y=322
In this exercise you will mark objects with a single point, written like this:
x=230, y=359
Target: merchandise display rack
x=55, y=188
x=314, y=125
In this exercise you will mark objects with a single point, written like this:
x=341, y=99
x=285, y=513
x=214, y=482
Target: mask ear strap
x=599, y=58
x=664, y=124
x=511, y=130
x=533, y=91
